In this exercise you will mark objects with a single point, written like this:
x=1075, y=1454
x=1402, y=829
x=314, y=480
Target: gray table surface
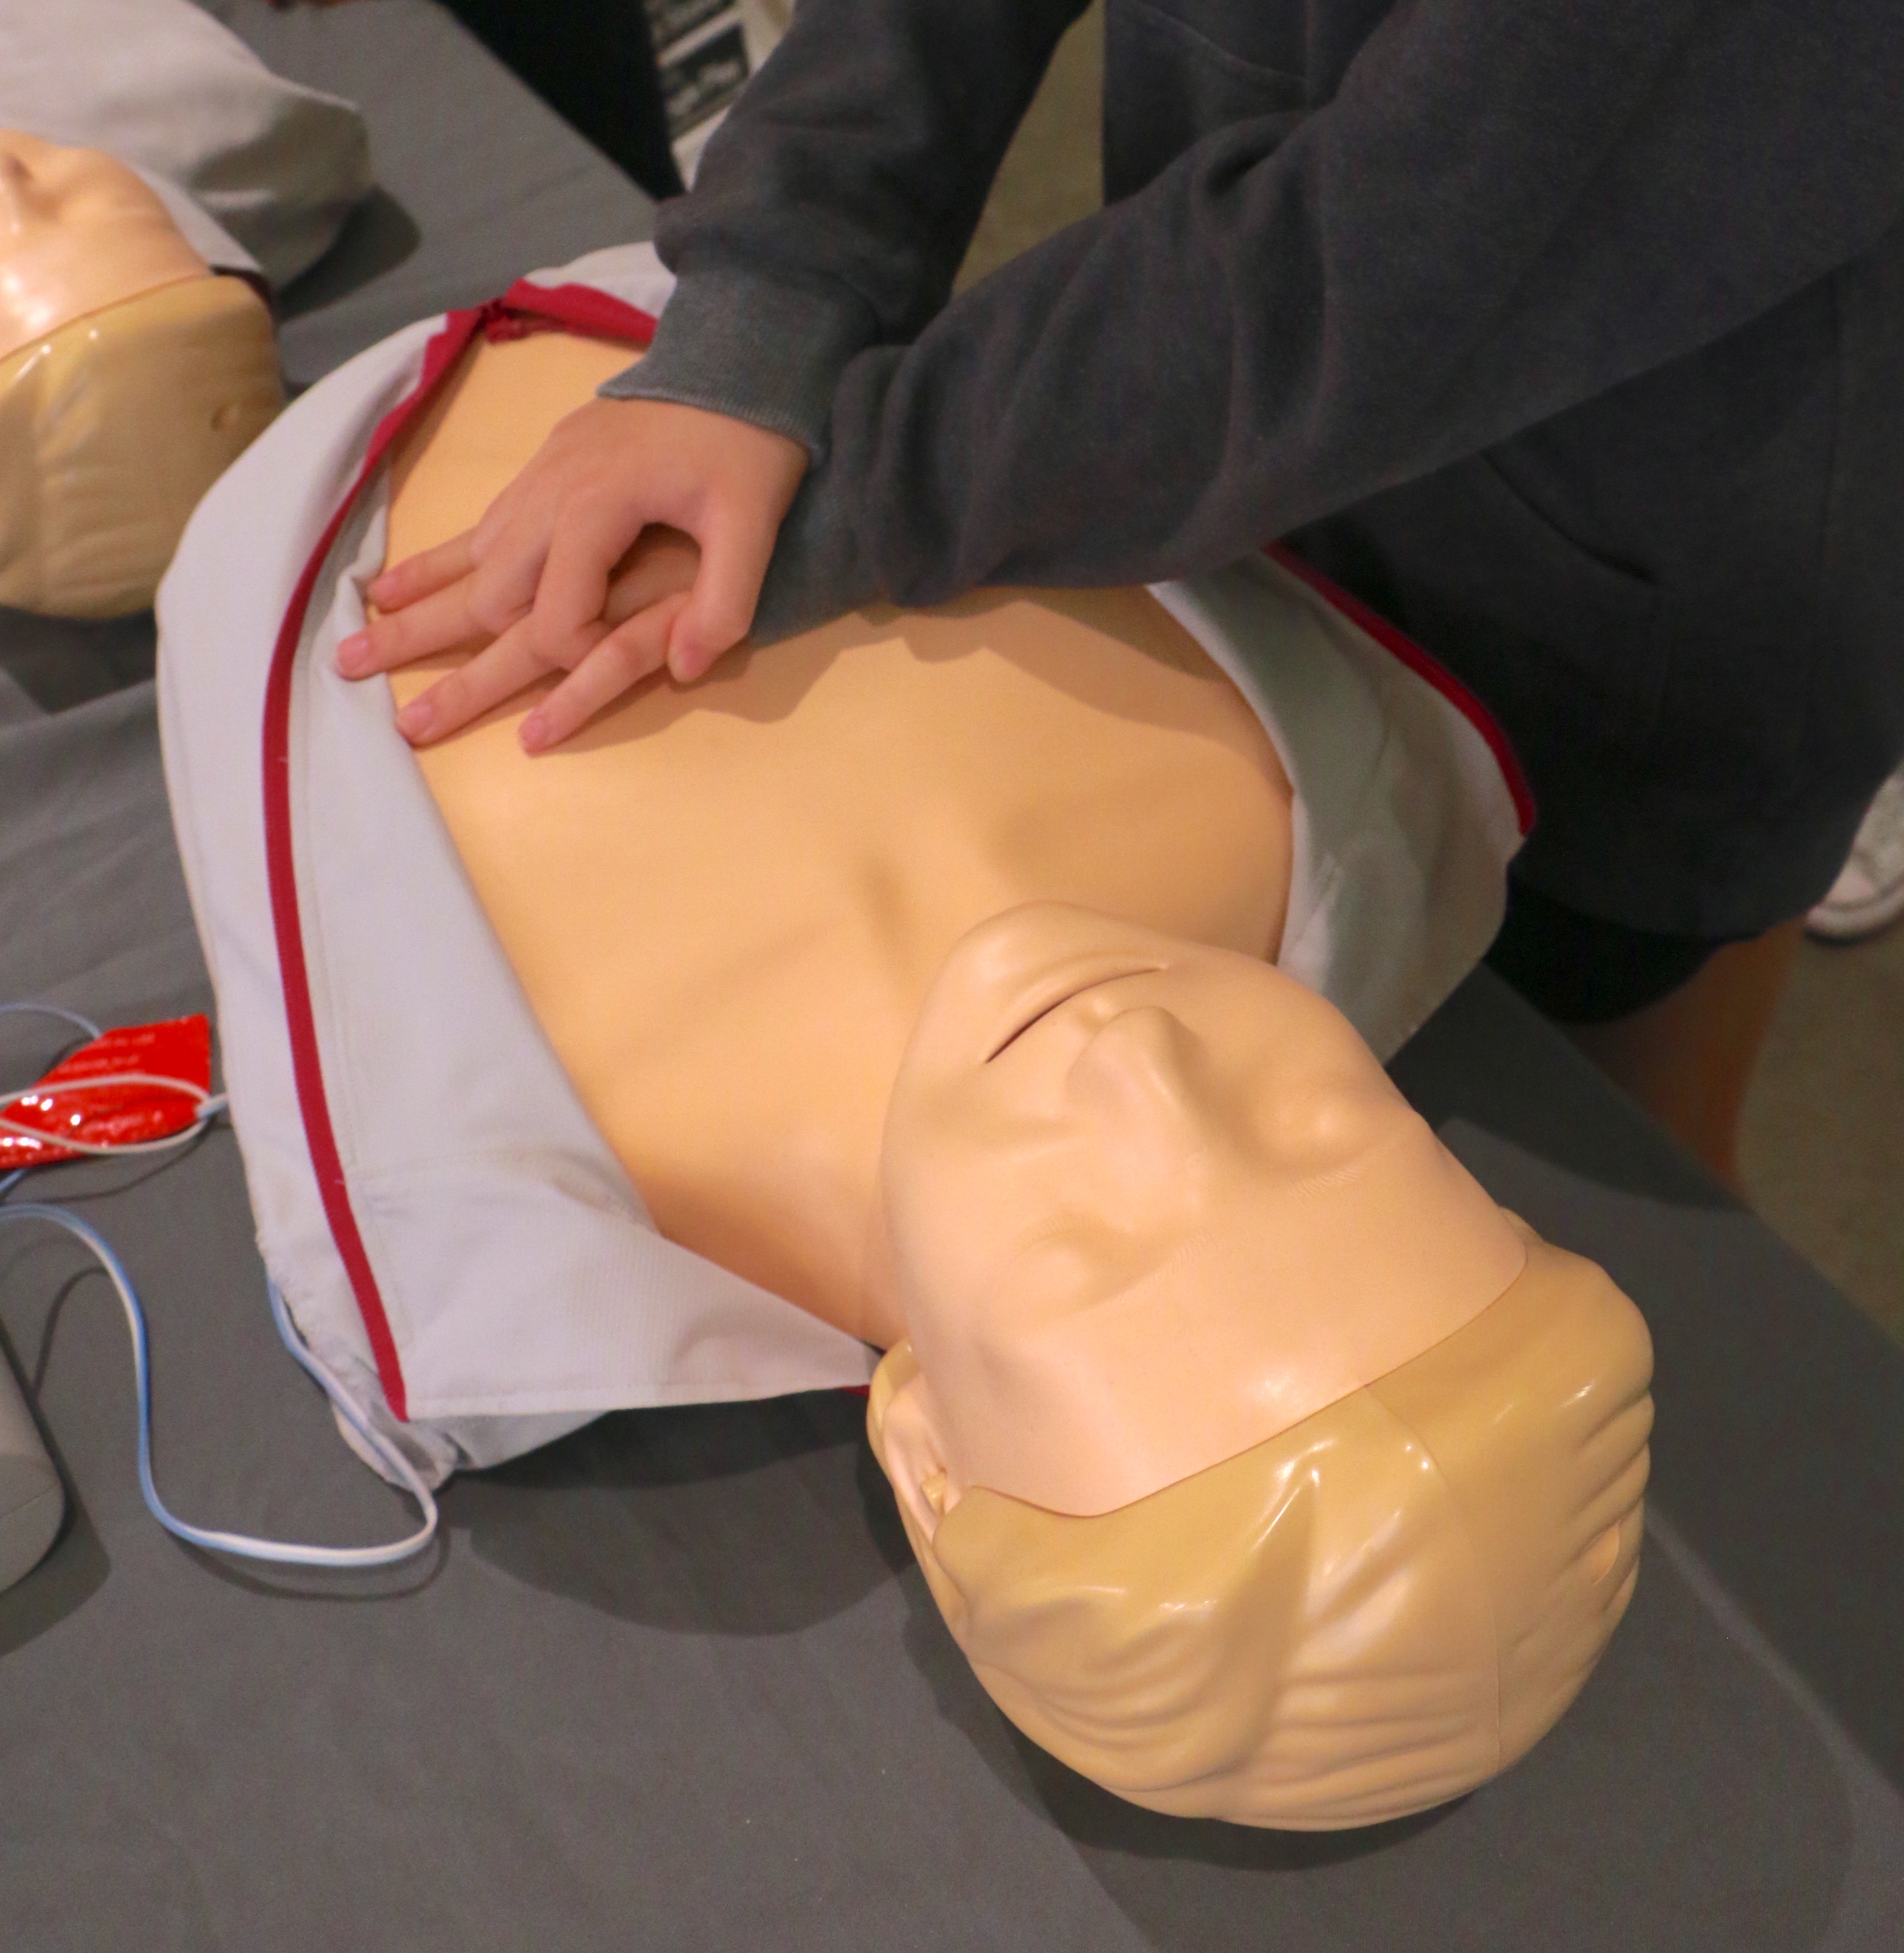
x=675, y=1683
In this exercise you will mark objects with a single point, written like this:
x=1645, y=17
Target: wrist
x=763, y=350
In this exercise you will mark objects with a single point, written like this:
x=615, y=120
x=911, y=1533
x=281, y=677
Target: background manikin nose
x=79, y=233
x=37, y=177
x=23, y=199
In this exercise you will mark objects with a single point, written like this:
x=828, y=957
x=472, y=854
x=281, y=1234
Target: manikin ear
x=913, y=1450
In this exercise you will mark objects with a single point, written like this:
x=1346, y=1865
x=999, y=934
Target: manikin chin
x=920, y=969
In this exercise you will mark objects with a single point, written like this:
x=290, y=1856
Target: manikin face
x=1150, y=1204
x=78, y=232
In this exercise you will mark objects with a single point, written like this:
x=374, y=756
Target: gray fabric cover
x=276, y=166
x=673, y=1684
x=477, y=180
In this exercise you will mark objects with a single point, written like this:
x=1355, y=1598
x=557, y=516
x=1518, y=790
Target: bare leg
x=1688, y=1058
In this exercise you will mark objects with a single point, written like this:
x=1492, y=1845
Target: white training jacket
x=454, y=1239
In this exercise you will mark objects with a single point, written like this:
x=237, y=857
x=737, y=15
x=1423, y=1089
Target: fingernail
x=416, y=719
x=534, y=734
x=350, y=651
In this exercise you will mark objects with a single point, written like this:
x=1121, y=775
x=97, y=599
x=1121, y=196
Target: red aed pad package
x=140, y=1083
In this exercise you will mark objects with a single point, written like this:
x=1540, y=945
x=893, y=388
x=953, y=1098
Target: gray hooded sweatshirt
x=1570, y=333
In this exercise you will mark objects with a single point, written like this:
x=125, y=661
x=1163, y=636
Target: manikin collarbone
x=726, y=902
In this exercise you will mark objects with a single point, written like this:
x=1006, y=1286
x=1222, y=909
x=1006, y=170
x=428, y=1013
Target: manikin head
x=1262, y=1466
x=130, y=377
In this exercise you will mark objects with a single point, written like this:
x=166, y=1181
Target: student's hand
x=679, y=508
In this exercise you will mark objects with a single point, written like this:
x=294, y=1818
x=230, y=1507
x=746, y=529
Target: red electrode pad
x=63, y=1107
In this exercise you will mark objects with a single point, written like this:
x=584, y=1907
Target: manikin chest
x=725, y=902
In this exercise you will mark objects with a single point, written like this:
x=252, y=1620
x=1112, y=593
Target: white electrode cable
x=60, y=1011
x=284, y=1552
x=241, y=1545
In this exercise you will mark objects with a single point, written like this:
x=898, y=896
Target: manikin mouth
x=1060, y=988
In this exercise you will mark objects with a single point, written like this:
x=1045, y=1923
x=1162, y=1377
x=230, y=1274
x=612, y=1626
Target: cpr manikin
x=130, y=375
x=919, y=969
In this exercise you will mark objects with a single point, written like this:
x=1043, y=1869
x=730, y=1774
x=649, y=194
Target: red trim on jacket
x=1423, y=665
x=524, y=308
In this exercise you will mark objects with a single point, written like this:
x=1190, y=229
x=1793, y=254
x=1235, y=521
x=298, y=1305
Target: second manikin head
x=130, y=375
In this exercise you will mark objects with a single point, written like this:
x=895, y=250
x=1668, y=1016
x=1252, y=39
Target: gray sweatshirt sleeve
x=1503, y=210
x=833, y=208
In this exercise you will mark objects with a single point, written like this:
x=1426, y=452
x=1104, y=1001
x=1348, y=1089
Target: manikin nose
x=1141, y=1059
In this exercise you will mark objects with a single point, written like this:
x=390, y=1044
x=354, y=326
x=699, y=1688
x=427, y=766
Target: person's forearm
x=1505, y=211
x=833, y=207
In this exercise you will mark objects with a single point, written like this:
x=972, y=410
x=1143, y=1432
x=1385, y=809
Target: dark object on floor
x=593, y=62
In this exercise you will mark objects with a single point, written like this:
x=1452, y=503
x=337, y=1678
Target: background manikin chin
x=130, y=375
x=916, y=969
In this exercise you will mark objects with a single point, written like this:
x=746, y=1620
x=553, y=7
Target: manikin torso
x=777, y=859
x=1020, y=864
x=1126, y=1199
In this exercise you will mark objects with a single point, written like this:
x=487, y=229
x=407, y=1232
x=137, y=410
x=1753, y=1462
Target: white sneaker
x=1869, y=894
